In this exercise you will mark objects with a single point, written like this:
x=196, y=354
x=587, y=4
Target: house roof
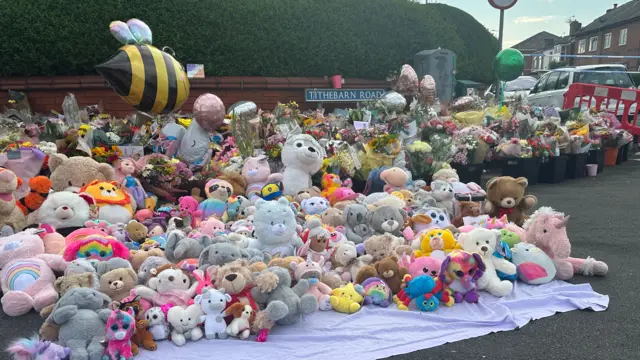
x=538, y=42
x=622, y=13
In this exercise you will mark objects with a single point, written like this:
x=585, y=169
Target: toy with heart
x=96, y=247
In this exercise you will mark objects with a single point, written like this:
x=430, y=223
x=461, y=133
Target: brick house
x=542, y=44
x=617, y=32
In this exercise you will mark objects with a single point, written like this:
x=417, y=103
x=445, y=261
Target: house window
x=582, y=44
x=593, y=43
x=623, y=37
x=607, y=40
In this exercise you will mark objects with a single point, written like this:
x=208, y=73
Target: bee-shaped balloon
x=148, y=78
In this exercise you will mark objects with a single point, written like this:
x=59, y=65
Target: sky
x=528, y=17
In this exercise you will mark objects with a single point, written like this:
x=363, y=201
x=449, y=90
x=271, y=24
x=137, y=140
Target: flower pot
x=592, y=169
x=625, y=153
x=596, y=157
x=610, y=156
x=336, y=81
x=469, y=173
x=552, y=170
x=521, y=167
x=575, y=166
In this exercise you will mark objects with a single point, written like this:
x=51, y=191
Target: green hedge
x=358, y=38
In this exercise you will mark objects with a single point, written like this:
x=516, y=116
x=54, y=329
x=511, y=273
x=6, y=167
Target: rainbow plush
x=377, y=292
x=22, y=272
x=35, y=349
x=95, y=247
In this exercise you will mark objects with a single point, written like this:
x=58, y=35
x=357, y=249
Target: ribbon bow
x=505, y=211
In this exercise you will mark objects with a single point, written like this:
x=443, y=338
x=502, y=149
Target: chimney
x=615, y=6
x=574, y=27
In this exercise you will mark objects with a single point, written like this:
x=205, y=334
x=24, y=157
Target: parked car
x=550, y=89
x=518, y=88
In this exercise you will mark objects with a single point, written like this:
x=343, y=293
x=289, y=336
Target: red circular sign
x=502, y=4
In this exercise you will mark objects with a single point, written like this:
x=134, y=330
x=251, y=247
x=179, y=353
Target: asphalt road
x=604, y=224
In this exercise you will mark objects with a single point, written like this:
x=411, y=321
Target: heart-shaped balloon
x=508, y=64
x=407, y=80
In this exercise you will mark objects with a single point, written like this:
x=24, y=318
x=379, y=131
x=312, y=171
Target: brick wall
x=47, y=93
x=632, y=47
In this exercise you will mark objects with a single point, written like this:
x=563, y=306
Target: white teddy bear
x=169, y=285
x=213, y=303
x=158, y=326
x=185, y=323
x=484, y=242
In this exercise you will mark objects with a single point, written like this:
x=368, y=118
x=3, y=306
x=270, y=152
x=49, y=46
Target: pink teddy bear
x=188, y=206
x=312, y=271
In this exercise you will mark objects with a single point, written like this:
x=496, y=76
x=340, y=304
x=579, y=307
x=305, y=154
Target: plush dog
x=302, y=157
x=242, y=317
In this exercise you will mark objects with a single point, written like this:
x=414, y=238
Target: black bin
x=521, y=167
x=596, y=157
x=576, y=166
x=552, y=171
x=469, y=173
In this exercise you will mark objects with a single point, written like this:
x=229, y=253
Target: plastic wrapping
x=407, y=80
x=244, y=110
x=393, y=101
x=71, y=111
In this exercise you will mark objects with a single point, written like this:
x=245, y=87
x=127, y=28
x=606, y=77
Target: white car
x=550, y=89
x=518, y=88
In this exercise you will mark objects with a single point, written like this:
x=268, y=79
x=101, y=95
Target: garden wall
x=47, y=93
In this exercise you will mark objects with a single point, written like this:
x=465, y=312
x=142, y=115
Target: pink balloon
x=209, y=111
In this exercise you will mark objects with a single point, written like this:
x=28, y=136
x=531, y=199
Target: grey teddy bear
x=355, y=223
x=180, y=247
x=82, y=315
x=104, y=267
x=152, y=262
x=223, y=253
x=387, y=219
x=284, y=304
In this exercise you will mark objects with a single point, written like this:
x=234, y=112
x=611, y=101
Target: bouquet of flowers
x=106, y=154
x=385, y=144
x=418, y=154
x=437, y=126
x=465, y=147
x=511, y=127
x=160, y=171
x=540, y=149
x=442, y=151
x=273, y=147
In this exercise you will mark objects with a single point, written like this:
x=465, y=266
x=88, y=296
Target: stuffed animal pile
x=101, y=260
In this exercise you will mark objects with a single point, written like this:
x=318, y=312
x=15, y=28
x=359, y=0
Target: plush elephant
x=82, y=314
x=180, y=247
x=223, y=253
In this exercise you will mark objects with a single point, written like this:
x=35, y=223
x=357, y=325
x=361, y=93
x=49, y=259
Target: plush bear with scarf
x=506, y=196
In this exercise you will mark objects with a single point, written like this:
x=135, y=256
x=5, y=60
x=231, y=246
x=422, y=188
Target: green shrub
x=357, y=38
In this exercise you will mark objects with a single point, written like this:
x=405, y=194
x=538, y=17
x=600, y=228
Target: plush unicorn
x=34, y=349
x=119, y=330
x=547, y=229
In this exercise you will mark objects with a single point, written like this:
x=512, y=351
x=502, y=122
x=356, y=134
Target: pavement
x=604, y=224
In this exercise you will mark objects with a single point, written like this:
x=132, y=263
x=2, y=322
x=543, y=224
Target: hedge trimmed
x=357, y=38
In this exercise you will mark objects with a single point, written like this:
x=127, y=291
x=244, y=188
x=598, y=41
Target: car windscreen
x=520, y=84
x=614, y=76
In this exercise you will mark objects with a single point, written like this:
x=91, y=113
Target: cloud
x=533, y=19
x=509, y=43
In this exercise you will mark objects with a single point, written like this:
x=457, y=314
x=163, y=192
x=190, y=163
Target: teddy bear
x=394, y=179
x=184, y=321
x=73, y=173
x=115, y=205
x=79, y=266
x=349, y=263
x=443, y=193
x=355, y=222
x=235, y=278
x=275, y=228
x=284, y=304
x=82, y=314
x=65, y=211
x=10, y=213
x=168, y=284
x=257, y=172
x=96, y=247
x=467, y=208
x=151, y=262
x=506, y=196
x=218, y=192
x=117, y=283
x=451, y=176
x=49, y=330
x=27, y=273
x=158, y=325
x=386, y=269
x=213, y=303
x=332, y=217
x=138, y=257
x=387, y=219
x=188, y=210
x=533, y=265
x=136, y=231
x=180, y=247
x=428, y=218
x=312, y=271
x=302, y=157
x=240, y=326
x=424, y=265
x=314, y=205
x=485, y=242
x=234, y=203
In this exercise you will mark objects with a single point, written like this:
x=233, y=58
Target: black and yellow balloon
x=148, y=78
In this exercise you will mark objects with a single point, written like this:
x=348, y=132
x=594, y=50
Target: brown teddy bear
x=237, y=181
x=235, y=278
x=286, y=263
x=506, y=196
x=49, y=330
x=467, y=208
x=77, y=171
x=118, y=282
x=137, y=257
x=332, y=217
x=137, y=232
x=382, y=246
x=387, y=269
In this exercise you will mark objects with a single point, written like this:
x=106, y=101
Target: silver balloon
x=243, y=110
x=393, y=101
